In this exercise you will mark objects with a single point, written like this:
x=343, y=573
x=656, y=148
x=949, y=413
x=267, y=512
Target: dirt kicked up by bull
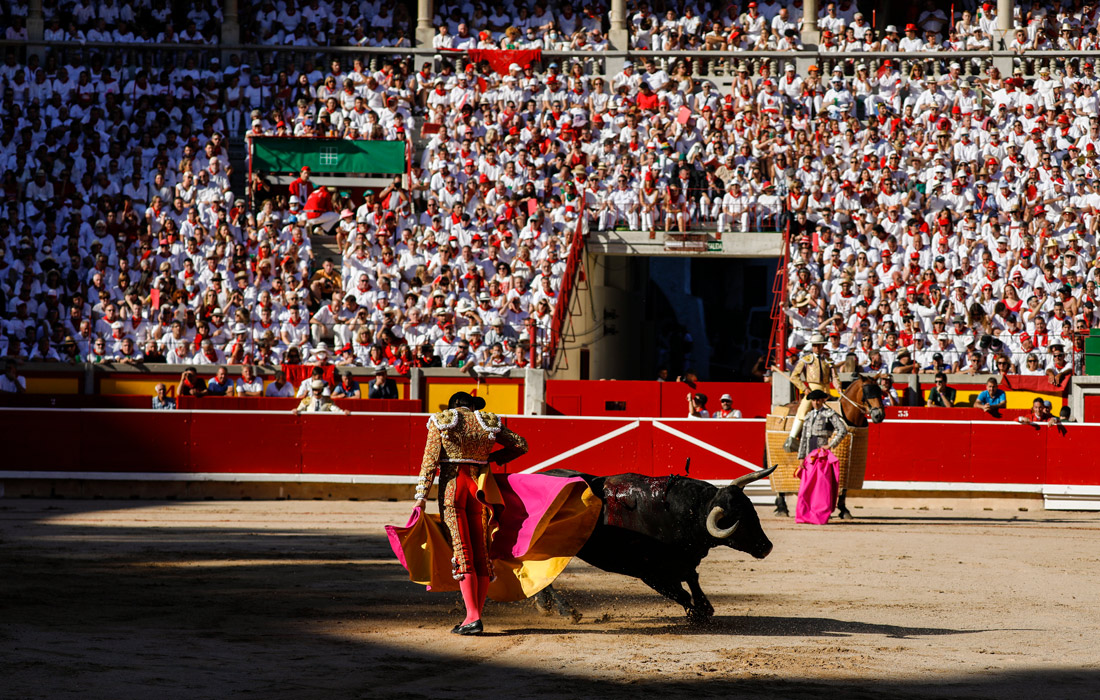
x=659, y=529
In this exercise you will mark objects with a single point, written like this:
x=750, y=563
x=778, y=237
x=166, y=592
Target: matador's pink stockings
x=470, y=598
x=482, y=593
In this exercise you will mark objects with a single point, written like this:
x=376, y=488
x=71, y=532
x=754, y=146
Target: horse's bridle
x=865, y=411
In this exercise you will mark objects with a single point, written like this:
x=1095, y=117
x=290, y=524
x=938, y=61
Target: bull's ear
x=743, y=481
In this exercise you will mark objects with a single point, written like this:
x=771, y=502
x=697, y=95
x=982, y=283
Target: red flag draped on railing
x=1038, y=384
x=499, y=60
x=296, y=374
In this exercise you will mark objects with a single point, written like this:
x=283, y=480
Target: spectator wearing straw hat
x=805, y=319
x=903, y=363
x=727, y=410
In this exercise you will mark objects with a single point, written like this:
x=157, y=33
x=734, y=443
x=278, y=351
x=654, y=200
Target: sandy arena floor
x=141, y=599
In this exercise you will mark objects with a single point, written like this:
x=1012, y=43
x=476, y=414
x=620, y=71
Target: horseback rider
x=824, y=426
x=814, y=372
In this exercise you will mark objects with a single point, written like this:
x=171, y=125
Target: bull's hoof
x=699, y=616
x=549, y=602
x=781, y=507
x=543, y=603
x=844, y=514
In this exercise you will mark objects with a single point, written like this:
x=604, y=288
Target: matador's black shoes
x=469, y=630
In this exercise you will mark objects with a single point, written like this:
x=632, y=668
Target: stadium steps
x=238, y=158
x=325, y=247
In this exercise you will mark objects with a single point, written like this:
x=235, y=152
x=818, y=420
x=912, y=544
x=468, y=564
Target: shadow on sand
x=180, y=612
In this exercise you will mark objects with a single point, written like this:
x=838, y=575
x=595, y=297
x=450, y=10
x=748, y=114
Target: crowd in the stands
x=926, y=207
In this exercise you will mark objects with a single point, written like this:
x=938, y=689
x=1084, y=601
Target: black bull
x=658, y=529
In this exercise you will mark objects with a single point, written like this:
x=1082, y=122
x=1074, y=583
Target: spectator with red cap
x=302, y=186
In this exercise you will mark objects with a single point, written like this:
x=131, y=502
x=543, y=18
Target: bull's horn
x=712, y=524
x=743, y=481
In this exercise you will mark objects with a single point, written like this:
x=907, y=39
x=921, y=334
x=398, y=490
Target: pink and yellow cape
x=538, y=524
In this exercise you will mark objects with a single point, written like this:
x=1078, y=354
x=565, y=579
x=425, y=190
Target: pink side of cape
x=527, y=498
x=395, y=541
x=817, y=493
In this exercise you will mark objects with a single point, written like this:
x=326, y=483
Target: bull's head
x=732, y=518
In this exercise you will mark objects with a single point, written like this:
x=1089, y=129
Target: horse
x=859, y=402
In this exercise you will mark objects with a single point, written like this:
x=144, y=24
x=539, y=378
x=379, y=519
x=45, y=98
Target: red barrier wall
x=391, y=444
x=1092, y=408
x=576, y=397
x=964, y=413
x=75, y=401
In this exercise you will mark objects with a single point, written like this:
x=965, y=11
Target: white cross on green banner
x=328, y=155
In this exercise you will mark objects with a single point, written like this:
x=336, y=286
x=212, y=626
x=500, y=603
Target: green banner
x=281, y=155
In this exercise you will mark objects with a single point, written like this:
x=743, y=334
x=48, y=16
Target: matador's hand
x=420, y=503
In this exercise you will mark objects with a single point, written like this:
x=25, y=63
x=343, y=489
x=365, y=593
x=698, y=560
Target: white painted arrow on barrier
x=706, y=446
x=582, y=447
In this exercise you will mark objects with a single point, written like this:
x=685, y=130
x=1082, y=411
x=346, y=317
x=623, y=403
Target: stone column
x=618, y=36
x=231, y=29
x=36, y=27
x=1004, y=15
x=1003, y=35
x=425, y=32
x=809, y=33
x=534, y=392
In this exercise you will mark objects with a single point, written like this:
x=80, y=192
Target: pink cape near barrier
x=538, y=523
x=817, y=492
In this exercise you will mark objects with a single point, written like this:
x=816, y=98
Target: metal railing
x=600, y=62
x=565, y=292
x=777, y=341
x=990, y=348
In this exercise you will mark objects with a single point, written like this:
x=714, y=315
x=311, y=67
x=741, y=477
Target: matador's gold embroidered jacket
x=464, y=439
x=459, y=436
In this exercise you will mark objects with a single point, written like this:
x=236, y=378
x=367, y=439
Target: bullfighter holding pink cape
x=505, y=536
x=820, y=469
